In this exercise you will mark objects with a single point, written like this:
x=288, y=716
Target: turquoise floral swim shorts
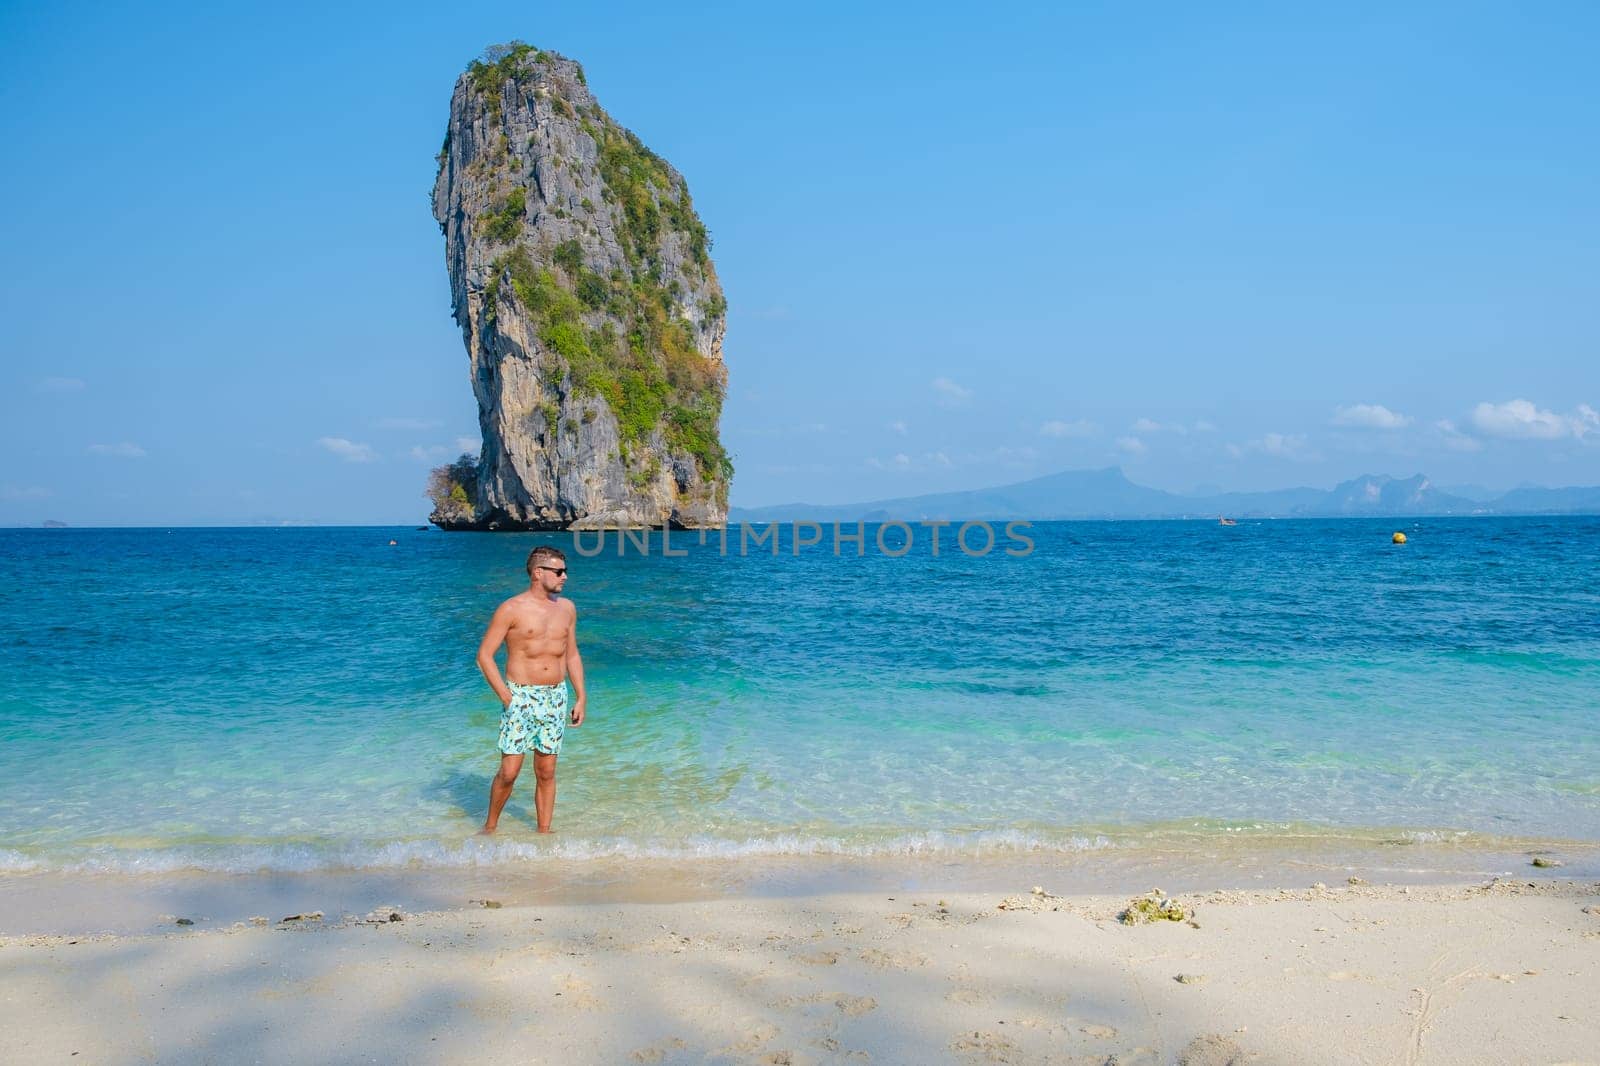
x=534, y=720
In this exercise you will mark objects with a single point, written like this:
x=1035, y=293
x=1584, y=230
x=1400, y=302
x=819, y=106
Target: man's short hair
x=543, y=556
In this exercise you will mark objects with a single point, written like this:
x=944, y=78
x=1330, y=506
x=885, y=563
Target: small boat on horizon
x=1221, y=521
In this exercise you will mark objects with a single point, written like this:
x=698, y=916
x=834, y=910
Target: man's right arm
x=493, y=637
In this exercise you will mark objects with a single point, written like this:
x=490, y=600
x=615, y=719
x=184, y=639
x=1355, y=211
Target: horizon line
x=1208, y=517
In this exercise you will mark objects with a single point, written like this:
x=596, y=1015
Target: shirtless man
x=540, y=631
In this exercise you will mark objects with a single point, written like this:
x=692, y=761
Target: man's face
x=552, y=575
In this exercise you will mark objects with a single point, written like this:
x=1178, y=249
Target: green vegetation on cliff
x=625, y=336
x=452, y=489
x=499, y=62
x=505, y=225
x=651, y=375
x=638, y=180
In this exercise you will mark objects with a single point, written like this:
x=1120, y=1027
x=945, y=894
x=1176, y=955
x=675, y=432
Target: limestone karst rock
x=581, y=279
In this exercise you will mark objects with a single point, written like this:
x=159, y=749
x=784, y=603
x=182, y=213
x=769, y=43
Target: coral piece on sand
x=1153, y=907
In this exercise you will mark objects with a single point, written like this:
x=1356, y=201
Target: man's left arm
x=575, y=671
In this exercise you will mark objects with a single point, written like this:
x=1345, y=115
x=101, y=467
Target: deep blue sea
x=234, y=699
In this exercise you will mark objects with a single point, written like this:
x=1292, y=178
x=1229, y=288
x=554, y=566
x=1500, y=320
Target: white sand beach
x=1506, y=970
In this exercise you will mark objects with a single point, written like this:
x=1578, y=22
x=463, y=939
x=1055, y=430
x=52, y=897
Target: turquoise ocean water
x=307, y=698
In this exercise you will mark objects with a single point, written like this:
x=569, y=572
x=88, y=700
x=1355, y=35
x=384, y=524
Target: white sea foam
x=1432, y=836
x=479, y=852
x=17, y=862
x=476, y=852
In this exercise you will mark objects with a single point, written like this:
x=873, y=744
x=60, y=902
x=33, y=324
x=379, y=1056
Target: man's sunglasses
x=561, y=570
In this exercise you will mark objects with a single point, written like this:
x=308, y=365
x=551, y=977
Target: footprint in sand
x=855, y=1006
x=837, y=1053
x=850, y=1006
x=969, y=990
x=819, y=958
x=1044, y=1024
x=791, y=1002
x=892, y=960
x=1211, y=1049
x=760, y=1033
x=990, y=1046
x=658, y=1051
x=1099, y=1032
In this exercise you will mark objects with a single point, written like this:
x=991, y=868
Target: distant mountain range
x=1109, y=494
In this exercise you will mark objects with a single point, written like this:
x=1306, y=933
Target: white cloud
x=1284, y=445
x=1081, y=427
x=1150, y=425
x=1132, y=445
x=409, y=423
x=1278, y=445
x=1454, y=439
x=124, y=450
x=1521, y=420
x=1369, y=416
x=469, y=444
x=60, y=385
x=1202, y=426
x=898, y=426
x=900, y=461
x=349, y=451
x=951, y=394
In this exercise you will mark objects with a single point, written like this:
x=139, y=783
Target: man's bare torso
x=536, y=642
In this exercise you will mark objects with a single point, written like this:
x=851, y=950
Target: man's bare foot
x=547, y=831
x=486, y=831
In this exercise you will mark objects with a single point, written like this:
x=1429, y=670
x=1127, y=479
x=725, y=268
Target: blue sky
x=1222, y=246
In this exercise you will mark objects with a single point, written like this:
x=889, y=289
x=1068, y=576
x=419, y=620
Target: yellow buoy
x=1399, y=538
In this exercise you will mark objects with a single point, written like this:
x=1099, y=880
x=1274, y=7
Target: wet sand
x=83, y=901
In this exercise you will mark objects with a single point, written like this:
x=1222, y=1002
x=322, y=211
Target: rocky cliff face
x=592, y=314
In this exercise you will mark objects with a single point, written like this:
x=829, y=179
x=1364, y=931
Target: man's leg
x=544, y=788
x=500, y=789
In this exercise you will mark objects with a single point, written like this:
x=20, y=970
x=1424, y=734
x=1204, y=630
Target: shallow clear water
x=298, y=698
